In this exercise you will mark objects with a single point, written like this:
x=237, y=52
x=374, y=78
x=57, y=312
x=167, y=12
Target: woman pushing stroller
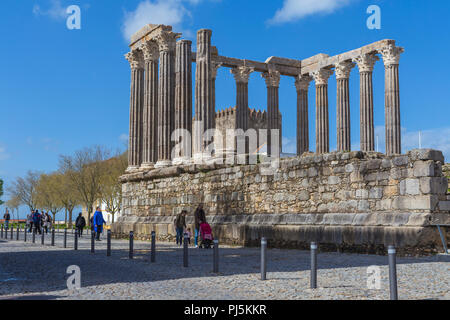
x=206, y=236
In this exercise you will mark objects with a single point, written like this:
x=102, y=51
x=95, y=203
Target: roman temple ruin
x=354, y=200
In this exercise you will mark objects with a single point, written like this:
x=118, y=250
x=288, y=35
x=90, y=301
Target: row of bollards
x=313, y=276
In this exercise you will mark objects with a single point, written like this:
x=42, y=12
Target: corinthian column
x=343, y=105
x=322, y=122
x=272, y=83
x=241, y=75
x=204, y=109
x=391, y=58
x=302, y=85
x=366, y=63
x=166, y=97
x=183, y=99
x=150, y=139
x=136, y=109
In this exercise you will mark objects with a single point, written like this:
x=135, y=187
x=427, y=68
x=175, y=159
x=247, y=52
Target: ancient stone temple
x=179, y=155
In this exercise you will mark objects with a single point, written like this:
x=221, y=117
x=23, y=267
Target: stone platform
x=355, y=201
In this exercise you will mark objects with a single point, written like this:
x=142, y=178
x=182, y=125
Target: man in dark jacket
x=80, y=223
x=7, y=217
x=37, y=221
x=180, y=225
x=199, y=216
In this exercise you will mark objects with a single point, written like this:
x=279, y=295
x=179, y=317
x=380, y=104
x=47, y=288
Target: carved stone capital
x=242, y=74
x=214, y=68
x=343, y=69
x=272, y=77
x=391, y=55
x=136, y=59
x=321, y=76
x=302, y=82
x=366, y=62
x=167, y=41
x=150, y=51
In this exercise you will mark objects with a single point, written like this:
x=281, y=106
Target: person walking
x=37, y=219
x=180, y=225
x=45, y=221
x=7, y=218
x=30, y=221
x=199, y=216
x=98, y=223
x=80, y=223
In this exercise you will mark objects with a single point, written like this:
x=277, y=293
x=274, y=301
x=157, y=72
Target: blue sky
x=61, y=89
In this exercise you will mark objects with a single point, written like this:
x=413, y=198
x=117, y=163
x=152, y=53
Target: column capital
x=242, y=74
x=343, y=69
x=272, y=77
x=136, y=59
x=366, y=62
x=302, y=82
x=214, y=68
x=167, y=41
x=391, y=55
x=321, y=76
x=150, y=51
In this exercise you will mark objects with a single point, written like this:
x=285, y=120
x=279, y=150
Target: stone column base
x=163, y=163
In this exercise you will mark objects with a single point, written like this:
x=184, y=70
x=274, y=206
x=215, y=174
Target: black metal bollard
x=75, y=242
x=92, y=241
x=25, y=235
x=185, y=252
x=2, y=232
x=108, y=243
x=42, y=236
x=17, y=233
x=53, y=237
x=313, y=265
x=130, y=254
x=65, y=237
x=153, y=253
x=34, y=235
x=12, y=232
x=393, y=272
x=216, y=257
x=263, y=259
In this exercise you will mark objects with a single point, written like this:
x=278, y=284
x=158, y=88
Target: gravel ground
x=33, y=271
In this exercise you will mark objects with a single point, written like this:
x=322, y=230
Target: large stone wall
x=354, y=201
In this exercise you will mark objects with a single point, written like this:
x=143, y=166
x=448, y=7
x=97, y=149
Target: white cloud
x=123, y=138
x=293, y=10
x=3, y=154
x=56, y=11
x=168, y=12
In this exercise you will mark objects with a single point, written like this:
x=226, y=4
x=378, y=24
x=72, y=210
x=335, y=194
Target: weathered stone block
x=424, y=169
x=409, y=187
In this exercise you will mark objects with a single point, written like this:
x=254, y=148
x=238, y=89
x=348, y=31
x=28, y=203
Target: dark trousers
x=79, y=231
x=99, y=232
x=31, y=227
x=180, y=236
x=38, y=228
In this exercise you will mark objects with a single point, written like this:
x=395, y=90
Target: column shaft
x=343, y=115
x=322, y=122
x=302, y=122
x=183, y=95
x=392, y=103
x=366, y=112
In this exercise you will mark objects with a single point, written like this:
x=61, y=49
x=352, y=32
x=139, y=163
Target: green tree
x=85, y=170
x=48, y=196
x=111, y=188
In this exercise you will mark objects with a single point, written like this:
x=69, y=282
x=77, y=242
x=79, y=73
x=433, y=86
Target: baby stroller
x=205, y=236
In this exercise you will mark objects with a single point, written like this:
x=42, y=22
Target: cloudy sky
x=61, y=89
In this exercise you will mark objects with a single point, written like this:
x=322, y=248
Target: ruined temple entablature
x=162, y=89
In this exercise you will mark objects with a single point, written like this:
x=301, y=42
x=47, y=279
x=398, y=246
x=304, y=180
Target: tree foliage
x=24, y=188
x=1, y=191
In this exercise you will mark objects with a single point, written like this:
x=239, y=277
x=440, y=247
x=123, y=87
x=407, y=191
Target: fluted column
x=322, y=121
x=241, y=75
x=391, y=58
x=204, y=109
x=183, y=99
x=343, y=70
x=150, y=139
x=135, y=144
x=272, y=83
x=166, y=97
x=302, y=85
x=366, y=63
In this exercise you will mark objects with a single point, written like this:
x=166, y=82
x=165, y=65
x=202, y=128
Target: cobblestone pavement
x=33, y=271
